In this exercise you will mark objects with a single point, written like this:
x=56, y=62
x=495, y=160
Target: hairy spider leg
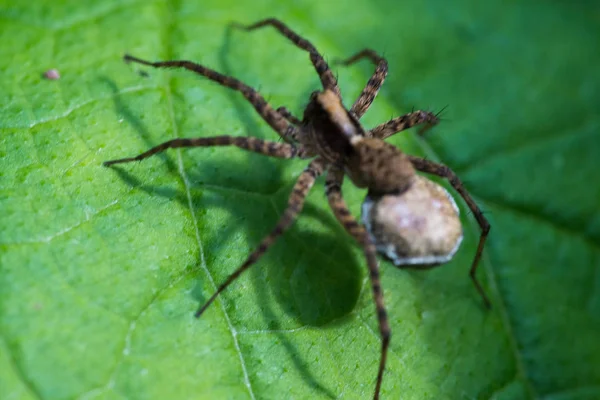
x=285, y=113
x=357, y=231
x=277, y=122
x=432, y=122
x=443, y=171
x=362, y=104
x=404, y=122
x=267, y=148
x=327, y=78
x=295, y=204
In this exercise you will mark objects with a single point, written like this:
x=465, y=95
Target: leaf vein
x=29, y=385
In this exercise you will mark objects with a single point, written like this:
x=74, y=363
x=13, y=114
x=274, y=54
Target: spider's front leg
x=404, y=122
x=358, y=232
x=362, y=104
x=264, y=147
x=295, y=204
x=327, y=79
x=443, y=171
x=272, y=117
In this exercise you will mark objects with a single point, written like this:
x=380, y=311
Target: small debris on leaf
x=52, y=74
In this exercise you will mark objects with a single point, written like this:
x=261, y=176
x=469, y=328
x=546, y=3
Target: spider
x=332, y=137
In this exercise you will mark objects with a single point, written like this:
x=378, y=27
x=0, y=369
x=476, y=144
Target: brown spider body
x=338, y=137
x=407, y=218
x=379, y=166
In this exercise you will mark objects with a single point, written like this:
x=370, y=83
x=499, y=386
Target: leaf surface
x=101, y=270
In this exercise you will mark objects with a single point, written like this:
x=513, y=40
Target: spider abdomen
x=417, y=228
x=379, y=166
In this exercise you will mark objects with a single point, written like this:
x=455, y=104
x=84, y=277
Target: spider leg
x=435, y=119
x=273, y=149
x=285, y=113
x=358, y=232
x=404, y=122
x=295, y=204
x=327, y=78
x=362, y=104
x=443, y=171
x=272, y=117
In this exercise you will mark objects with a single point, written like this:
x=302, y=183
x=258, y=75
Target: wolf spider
x=333, y=138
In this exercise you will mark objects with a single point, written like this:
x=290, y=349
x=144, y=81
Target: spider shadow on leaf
x=313, y=292
x=314, y=276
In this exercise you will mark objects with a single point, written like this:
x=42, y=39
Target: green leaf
x=101, y=270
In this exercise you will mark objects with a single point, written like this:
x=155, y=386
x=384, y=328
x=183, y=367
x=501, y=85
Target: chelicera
x=408, y=218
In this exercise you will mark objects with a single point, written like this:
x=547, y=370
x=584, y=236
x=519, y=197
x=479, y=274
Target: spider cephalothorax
x=411, y=220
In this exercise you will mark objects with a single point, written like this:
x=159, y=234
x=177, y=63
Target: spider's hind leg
x=327, y=78
x=443, y=171
x=359, y=233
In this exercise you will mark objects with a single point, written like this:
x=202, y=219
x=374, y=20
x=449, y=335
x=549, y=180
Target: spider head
x=326, y=106
x=330, y=126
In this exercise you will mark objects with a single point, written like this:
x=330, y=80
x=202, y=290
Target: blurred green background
x=101, y=270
